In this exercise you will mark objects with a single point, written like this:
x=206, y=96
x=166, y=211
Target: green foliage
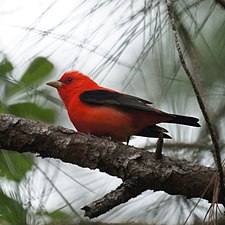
x=5, y=67
x=59, y=217
x=38, y=70
x=13, y=90
x=32, y=111
x=14, y=166
x=14, y=99
x=1, y=107
x=11, y=210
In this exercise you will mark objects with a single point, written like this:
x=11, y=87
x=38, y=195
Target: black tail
x=185, y=120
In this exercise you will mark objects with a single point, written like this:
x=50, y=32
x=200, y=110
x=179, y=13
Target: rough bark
x=140, y=170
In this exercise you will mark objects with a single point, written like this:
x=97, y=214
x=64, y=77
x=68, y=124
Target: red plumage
x=104, y=112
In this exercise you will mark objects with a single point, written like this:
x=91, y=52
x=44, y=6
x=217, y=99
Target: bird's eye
x=69, y=80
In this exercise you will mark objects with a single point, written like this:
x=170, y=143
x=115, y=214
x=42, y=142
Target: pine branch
x=202, y=106
x=139, y=169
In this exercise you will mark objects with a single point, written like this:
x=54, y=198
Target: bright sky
x=58, y=29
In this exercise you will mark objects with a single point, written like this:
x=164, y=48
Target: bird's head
x=72, y=83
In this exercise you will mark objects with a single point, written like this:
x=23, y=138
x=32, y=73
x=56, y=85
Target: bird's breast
x=101, y=120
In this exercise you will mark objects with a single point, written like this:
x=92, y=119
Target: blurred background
x=123, y=45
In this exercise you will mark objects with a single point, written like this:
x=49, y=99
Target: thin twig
x=206, y=189
x=217, y=156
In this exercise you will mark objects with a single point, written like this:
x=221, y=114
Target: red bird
x=104, y=112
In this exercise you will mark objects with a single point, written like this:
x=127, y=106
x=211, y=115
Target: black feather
x=124, y=101
x=153, y=132
x=105, y=97
x=185, y=120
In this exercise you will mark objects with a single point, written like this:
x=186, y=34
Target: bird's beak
x=55, y=84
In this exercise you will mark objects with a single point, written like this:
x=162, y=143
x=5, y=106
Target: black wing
x=105, y=97
x=124, y=101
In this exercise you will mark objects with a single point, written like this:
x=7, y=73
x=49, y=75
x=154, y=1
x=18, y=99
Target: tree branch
x=138, y=169
x=130, y=188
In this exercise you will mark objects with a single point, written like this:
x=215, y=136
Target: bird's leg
x=128, y=139
x=159, y=145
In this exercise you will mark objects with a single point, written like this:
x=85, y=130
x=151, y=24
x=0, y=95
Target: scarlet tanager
x=104, y=112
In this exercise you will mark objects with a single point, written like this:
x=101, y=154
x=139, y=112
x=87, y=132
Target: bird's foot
x=107, y=138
